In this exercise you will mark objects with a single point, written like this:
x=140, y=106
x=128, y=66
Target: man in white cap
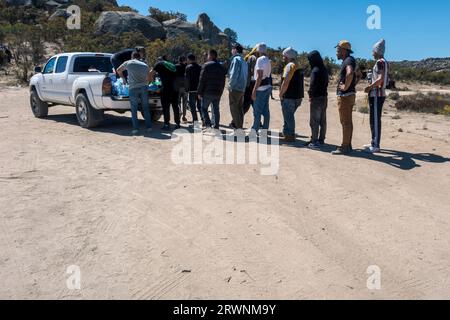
x=262, y=90
x=377, y=94
x=291, y=92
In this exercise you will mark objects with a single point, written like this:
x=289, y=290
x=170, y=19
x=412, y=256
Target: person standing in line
x=318, y=98
x=180, y=83
x=210, y=89
x=251, y=62
x=291, y=92
x=138, y=80
x=262, y=90
x=377, y=95
x=169, y=96
x=346, y=95
x=192, y=77
x=238, y=74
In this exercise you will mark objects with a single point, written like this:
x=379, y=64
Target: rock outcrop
x=209, y=31
x=176, y=28
x=117, y=23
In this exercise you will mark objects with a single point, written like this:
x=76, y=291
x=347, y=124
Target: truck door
x=47, y=80
x=61, y=91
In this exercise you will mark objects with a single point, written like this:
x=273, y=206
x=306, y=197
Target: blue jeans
x=261, y=108
x=215, y=101
x=289, y=107
x=140, y=95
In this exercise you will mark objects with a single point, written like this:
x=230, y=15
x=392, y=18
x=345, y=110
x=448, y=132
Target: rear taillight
x=107, y=86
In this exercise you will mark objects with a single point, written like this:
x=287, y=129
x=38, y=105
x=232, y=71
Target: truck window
x=92, y=64
x=50, y=66
x=61, y=64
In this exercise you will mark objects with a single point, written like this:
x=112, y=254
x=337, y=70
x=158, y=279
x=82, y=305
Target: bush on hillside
x=435, y=103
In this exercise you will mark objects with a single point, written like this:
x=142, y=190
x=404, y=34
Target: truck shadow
x=114, y=124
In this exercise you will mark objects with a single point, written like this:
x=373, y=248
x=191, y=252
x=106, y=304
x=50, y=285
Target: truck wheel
x=156, y=116
x=87, y=116
x=38, y=107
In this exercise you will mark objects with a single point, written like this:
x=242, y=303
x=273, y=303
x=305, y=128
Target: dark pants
x=248, y=102
x=215, y=101
x=195, y=104
x=376, y=110
x=237, y=112
x=318, y=119
x=168, y=98
x=183, y=100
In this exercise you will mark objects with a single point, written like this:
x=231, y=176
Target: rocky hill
x=431, y=64
x=117, y=23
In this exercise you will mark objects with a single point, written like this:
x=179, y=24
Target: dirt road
x=138, y=226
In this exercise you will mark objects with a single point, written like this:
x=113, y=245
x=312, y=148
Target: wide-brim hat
x=344, y=44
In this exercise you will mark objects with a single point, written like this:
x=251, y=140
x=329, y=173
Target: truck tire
x=38, y=107
x=87, y=116
x=156, y=115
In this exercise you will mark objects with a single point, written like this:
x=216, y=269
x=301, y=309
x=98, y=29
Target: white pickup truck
x=82, y=80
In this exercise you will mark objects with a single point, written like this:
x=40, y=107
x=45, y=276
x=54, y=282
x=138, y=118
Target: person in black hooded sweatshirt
x=318, y=97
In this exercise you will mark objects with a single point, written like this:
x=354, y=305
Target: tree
x=27, y=48
x=162, y=16
x=231, y=34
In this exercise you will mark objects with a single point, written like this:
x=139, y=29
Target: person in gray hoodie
x=318, y=97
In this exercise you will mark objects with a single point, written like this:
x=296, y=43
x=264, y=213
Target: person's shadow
x=400, y=159
x=397, y=159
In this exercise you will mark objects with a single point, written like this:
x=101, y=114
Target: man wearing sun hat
x=346, y=95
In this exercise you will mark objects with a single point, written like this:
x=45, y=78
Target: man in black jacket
x=318, y=97
x=120, y=57
x=192, y=77
x=210, y=89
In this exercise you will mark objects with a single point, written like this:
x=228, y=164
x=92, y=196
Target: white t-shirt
x=263, y=63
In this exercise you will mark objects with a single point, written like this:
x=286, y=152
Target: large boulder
x=176, y=28
x=117, y=23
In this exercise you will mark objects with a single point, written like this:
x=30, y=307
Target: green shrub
x=426, y=103
x=394, y=96
x=363, y=109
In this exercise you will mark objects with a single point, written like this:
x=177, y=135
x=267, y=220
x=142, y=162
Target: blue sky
x=413, y=29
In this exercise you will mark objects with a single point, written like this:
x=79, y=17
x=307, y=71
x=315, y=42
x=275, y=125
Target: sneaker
x=321, y=142
x=135, y=132
x=208, y=130
x=372, y=150
x=342, y=151
x=367, y=146
x=232, y=126
x=314, y=146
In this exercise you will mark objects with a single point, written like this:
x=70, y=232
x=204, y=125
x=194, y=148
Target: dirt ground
x=140, y=227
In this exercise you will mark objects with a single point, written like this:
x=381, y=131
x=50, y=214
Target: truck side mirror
x=37, y=69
